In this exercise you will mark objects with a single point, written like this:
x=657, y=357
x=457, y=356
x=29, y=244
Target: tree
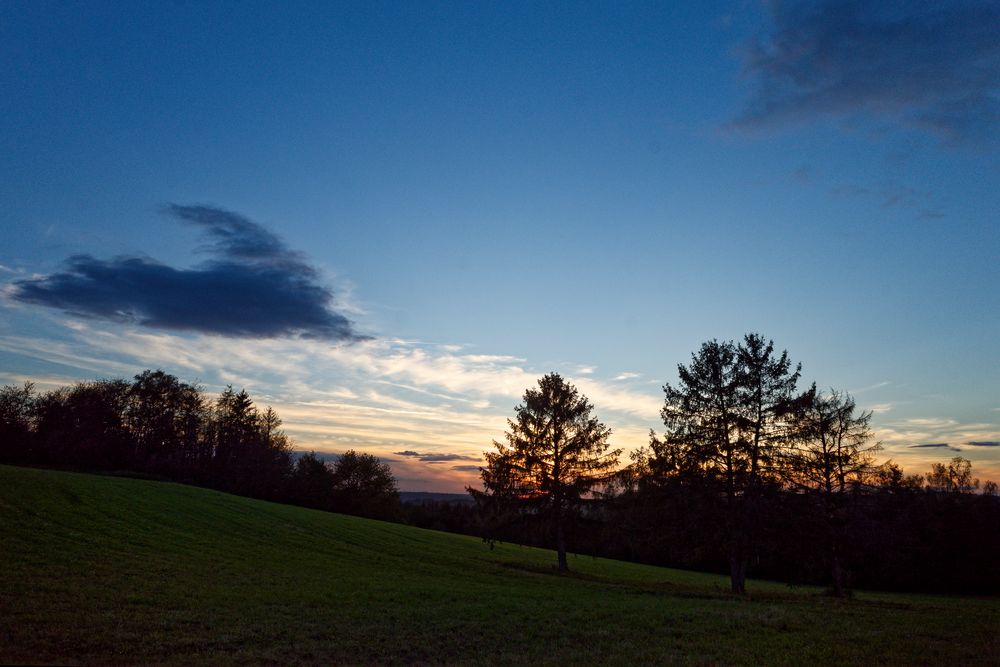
x=555, y=456
x=832, y=453
x=955, y=477
x=165, y=418
x=84, y=425
x=833, y=447
x=311, y=483
x=17, y=411
x=727, y=425
x=365, y=486
x=251, y=456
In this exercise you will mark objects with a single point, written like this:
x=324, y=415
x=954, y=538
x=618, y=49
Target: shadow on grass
x=670, y=589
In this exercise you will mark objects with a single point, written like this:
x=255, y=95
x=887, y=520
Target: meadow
x=111, y=570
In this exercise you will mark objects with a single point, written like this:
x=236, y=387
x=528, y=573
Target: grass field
x=112, y=570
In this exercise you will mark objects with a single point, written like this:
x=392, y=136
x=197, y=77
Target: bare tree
x=833, y=452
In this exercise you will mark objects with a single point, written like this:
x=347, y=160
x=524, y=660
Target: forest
x=160, y=427
x=751, y=475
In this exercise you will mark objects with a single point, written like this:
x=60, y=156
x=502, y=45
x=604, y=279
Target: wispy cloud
x=430, y=457
x=441, y=403
x=605, y=396
x=917, y=442
x=871, y=387
x=930, y=65
x=253, y=286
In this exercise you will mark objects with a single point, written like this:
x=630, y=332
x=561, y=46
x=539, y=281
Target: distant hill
x=111, y=570
x=419, y=497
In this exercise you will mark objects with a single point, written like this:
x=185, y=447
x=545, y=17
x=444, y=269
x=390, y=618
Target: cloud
x=942, y=445
x=930, y=65
x=437, y=458
x=466, y=468
x=899, y=435
x=253, y=286
x=381, y=396
x=984, y=443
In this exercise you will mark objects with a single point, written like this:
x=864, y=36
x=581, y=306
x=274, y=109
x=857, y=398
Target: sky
x=388, y=220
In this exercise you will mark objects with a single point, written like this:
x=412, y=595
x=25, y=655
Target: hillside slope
x=102, y=569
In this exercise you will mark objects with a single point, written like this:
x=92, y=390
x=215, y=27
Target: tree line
x=750, y=472
x=159, y=426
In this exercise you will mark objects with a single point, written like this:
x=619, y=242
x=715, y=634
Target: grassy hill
x=112, y=570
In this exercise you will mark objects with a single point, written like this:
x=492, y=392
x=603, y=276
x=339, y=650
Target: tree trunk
x=837, y=573
x=836, y=536
x=561, y=544
x=740, y=512
x=738, y=570
x=737, y=553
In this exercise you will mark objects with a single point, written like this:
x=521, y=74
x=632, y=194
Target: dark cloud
x=428, y=457
x=238, y=239
x=932, y=65
x=466, y=468
x=984, y=443
x=253, y=286
x=943, y=445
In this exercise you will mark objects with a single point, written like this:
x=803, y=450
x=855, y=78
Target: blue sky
x=388, y=219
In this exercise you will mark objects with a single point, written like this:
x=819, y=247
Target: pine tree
x=727, y=424
x=556, y=455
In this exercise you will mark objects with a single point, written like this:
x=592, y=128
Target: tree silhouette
x=311, y=483
x=833, y=447
x=17, y=414
x=727, y=424
x=365, y=486
x=953, y=477
x=832, y=454
x=84, y=425
x=555, y=456
x=165, y=417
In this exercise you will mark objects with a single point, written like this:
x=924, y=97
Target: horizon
x=388, y=224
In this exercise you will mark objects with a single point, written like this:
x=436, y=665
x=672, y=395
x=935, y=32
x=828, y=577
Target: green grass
x=112, y=570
